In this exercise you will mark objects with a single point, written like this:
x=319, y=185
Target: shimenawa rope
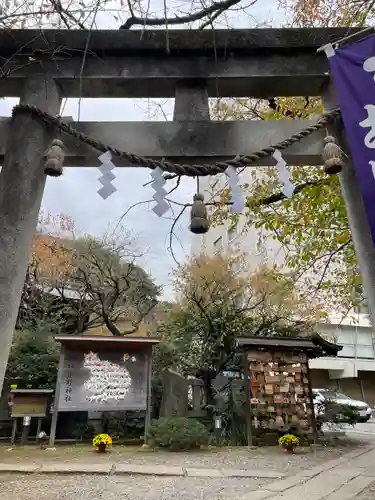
x=177, y=168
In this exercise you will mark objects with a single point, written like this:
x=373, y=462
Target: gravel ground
x=39, y=487
x=269, y=458
x=367, y=494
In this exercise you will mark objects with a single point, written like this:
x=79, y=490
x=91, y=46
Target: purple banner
x=353, y=71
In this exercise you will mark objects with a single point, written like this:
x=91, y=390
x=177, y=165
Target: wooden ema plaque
x=279, y=389
x=262, y=356
x=256, y=366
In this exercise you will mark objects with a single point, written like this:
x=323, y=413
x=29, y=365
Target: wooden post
x=22, y=181
x=249, y=420
x=39, y=428
x=26, y=424
x=149, y=402
x=197, y=387
x=361, y=387
x=14, y=432
x=313, y=419
x=55, y=413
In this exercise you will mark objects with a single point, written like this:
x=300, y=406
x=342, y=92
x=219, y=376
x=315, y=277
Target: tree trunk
x=208, y=377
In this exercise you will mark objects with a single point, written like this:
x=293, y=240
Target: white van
x=322, y=395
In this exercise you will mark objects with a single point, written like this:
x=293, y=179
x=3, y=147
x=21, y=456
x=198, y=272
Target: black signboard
x=104, y=381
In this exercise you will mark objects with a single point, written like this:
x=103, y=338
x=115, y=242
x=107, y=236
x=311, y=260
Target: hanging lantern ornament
x=53, y=165
x=332, y=156
x=199, y=221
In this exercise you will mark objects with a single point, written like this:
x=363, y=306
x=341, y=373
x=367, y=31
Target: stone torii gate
x=42, y=67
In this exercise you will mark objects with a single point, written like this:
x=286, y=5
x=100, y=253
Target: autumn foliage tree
x=322, y=13
x=218, y=303
x=50, y=257
x=73, y=284
x=50, y=262
x=108, y=285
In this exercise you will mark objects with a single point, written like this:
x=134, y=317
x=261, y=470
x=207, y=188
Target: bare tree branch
x=188, y=18
x=65, y=14
x=274, y=198
x=327, y=264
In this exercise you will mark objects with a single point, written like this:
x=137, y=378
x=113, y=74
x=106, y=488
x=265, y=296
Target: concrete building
x=353, y=371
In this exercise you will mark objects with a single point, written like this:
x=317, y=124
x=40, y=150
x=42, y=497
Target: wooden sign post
x=27, y=404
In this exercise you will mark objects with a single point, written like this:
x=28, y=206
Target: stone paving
x=134, y=469
x=340, y=479
x=349, y=477
x=368, y=493
x=269, y=460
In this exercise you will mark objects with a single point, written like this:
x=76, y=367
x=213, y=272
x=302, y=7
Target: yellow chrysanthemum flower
x=288, y=440
x=102, y=439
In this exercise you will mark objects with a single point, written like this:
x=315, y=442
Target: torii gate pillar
x=22, y=182
x=355, y=208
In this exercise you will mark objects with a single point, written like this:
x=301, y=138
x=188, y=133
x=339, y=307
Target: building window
x=232, y=232
x=218, y=244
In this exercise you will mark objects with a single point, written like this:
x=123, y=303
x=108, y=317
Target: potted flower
x=101, y=441
x=288, y=442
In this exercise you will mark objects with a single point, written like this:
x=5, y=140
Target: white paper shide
x=237, y=197
x=106, y=169
x=161, y=206
x=284, y=174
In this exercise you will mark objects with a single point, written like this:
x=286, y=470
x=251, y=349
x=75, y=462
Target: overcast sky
x=75, y=194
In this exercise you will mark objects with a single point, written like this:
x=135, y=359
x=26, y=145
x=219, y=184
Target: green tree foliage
x=312, y=228
x=33, y=360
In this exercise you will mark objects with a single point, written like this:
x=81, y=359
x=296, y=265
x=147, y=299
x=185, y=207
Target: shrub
x=179, y=433
x=334, y=413
x=134, y=424
x=124, y=425
x=83, y=431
